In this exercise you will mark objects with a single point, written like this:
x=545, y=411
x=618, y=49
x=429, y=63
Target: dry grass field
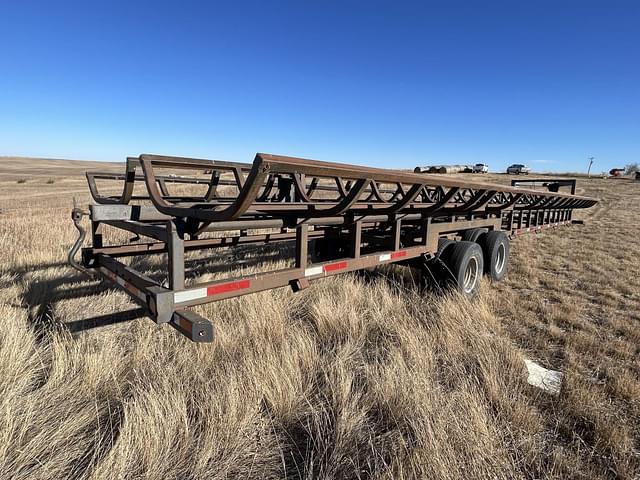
x=352, y=378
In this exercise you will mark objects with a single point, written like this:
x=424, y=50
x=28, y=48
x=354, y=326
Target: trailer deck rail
x=551, y=184
x=348, y=217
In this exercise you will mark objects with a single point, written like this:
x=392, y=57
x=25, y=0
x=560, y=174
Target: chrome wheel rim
x=470, y=277
x=501, y=256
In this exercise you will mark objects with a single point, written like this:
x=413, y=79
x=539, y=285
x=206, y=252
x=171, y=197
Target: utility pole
x=589, y=169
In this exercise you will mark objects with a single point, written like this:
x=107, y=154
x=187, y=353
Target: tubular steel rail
x=357, y=217
x=551, y=184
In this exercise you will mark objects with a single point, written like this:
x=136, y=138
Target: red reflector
x=401, y=253
x=334, y=266
x=185, y=325
x=131, y=288
x=228, y=287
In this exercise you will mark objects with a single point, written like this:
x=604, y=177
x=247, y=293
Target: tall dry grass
x=355, y=377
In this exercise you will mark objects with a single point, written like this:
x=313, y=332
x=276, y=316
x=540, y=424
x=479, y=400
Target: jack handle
x=76, y=215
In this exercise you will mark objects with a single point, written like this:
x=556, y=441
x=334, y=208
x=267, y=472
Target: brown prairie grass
x=355, y=377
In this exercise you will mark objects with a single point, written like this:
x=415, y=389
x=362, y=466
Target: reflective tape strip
x=311, y=271
x=228, y=287
x=334, y=266
x=131, y=289
x=308, y=272
x=109, y=273
x=385, y=257
x=123, y=283
x=185, y=324
x=187, y=295
x=197, y=293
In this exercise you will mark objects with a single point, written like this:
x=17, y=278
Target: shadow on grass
x=105, y=320
x=41, y=294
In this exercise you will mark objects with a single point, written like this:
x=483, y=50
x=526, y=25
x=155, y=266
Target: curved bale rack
x=340, y=217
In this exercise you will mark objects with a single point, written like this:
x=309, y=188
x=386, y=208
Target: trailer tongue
x=340, y=218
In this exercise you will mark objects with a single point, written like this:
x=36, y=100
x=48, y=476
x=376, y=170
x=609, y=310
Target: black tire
x=473, y=234
x=443, y=243
x=434, y=272
x=495, y=247
x=464, y=264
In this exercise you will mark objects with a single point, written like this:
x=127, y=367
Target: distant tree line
x=631, y=168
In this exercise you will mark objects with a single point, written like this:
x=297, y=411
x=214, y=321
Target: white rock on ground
x=548, y=380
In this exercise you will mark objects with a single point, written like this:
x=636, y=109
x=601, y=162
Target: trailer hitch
x=76, y=215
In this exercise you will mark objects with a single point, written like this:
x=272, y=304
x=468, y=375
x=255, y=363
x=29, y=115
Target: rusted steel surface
x=355, y=217
x=287, y=187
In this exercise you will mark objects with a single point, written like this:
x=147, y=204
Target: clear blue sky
x=394, y=84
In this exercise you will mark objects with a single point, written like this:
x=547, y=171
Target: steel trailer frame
x=358, y=217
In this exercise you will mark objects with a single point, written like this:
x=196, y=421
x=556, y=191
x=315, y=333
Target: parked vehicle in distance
x=481, y=168
x=518, y=169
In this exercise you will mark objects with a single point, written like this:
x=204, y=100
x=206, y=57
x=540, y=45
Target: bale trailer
x=340, y=218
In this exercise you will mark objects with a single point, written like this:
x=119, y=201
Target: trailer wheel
x=495, y=246
x=433, y=271
x=443, y=243
x=464, y=262
x=473, y=234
